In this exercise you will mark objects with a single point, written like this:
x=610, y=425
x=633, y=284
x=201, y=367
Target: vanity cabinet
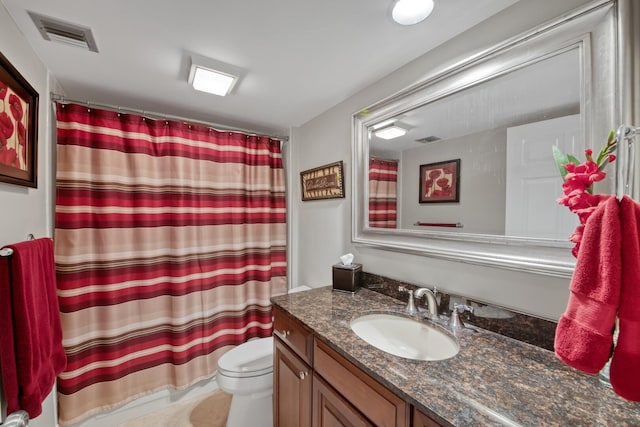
x=331, y=409
x=422, y=420
x=292, y=373
x=316, y=386
x=379, y=405
x=292, y=381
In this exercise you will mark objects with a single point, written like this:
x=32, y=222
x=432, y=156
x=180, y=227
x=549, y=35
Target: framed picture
x=18, y=127
x=325, y=182
x=440, y=182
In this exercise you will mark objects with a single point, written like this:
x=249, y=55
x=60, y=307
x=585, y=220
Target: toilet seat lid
x=251, y=359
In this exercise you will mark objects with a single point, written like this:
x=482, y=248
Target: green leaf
x=561, y=159
x=573, y=159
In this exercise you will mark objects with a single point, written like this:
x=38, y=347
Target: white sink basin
x=405, y=337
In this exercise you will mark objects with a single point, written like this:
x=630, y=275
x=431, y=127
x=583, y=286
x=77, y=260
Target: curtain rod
x=153, y=115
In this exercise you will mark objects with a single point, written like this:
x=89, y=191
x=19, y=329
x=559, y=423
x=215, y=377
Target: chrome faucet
x=432, y=302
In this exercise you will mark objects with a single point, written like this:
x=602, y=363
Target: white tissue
x=346, y=259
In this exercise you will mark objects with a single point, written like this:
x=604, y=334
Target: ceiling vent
x=64, y=32
x=428, y=139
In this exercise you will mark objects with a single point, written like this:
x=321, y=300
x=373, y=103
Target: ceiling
x=538, y=91
x=301, y=57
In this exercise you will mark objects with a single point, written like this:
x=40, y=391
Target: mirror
x=460, y=166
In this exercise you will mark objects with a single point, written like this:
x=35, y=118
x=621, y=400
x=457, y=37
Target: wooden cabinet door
x=291, y=388
x=422, y=420
x=332, y=410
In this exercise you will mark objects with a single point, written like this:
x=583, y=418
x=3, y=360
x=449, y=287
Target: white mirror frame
x=594, y=30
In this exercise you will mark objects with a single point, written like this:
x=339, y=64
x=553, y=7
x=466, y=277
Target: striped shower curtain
x=383, y=183
x=169, y=242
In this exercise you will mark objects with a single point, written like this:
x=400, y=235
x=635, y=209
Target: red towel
x=32, y=355
x=584, y=336
x=625, y=364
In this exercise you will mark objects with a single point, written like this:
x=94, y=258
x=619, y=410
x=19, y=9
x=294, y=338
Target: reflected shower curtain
x=169, y=242
x=383, y=183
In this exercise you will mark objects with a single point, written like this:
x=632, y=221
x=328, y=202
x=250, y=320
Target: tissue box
x=347, y=278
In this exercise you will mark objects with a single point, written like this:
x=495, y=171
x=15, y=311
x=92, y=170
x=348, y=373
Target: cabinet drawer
x=331, y=409
x=294, y=334
x=373, y=400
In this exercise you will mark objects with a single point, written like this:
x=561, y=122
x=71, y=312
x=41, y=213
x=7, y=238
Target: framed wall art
x=440, y=182
x=324, y=182
x=18, y=127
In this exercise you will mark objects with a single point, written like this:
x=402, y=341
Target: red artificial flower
x=16, y=107
x=6, y=125
x=577, y=186
x=3, y=90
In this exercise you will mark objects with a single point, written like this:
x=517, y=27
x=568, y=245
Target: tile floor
x=208, y=411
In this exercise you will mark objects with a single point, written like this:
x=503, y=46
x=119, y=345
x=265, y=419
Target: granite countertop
x=493, y=381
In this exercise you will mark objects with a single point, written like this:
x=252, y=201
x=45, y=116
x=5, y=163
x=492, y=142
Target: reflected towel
x=625, y=364
x=32, y=355
x=584, y=336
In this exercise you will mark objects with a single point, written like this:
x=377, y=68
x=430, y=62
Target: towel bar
x=439, y=224
x=16, y=419
x=9, y=251
x=6, y=252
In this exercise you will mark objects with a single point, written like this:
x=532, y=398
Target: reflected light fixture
x=410, y=12
x=211, y=76
x=390, y=132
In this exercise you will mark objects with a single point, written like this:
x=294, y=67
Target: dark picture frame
x=440, y=182
x=18, y=127
x=324, y=182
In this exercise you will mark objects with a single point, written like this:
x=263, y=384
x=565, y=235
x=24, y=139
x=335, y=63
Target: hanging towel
x=625, y=364
x=31, y=353
x=584, y=336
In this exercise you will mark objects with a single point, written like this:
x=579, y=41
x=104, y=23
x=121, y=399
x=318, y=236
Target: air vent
x=428, y=139
x=64, y=32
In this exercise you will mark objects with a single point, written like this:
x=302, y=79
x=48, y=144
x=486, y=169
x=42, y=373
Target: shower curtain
x=383, y=183
x=169, y=242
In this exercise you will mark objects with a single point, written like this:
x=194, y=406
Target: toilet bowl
x=246, y=372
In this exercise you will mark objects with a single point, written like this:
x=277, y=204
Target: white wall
x=481, y=208
x=29, y=210
x=322, y=229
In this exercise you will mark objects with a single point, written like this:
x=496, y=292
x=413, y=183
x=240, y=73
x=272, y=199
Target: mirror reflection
x=500, y=133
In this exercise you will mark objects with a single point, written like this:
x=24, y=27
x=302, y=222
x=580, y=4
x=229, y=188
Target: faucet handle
x=411, y=306
x=455, y=322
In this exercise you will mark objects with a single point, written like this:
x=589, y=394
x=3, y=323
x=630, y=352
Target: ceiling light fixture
x=390, y=132
x=410, y=12
x=211, y=76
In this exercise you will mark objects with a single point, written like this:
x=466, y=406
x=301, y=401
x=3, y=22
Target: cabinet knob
x=303, y=375
x=285, y=333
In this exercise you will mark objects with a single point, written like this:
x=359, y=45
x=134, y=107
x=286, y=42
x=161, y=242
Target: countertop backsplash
x=522, y=327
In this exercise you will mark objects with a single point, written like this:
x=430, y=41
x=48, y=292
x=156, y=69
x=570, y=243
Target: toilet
x=246, y=372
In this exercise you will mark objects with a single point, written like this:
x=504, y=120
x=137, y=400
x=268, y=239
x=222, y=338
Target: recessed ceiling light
x=390, y=132
x=211, y=76
x=410, y=12
x=212, y=81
